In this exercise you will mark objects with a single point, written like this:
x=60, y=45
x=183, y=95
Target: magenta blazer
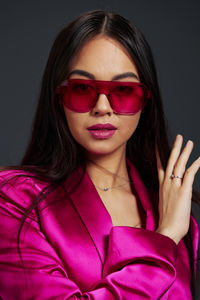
x=71, y=250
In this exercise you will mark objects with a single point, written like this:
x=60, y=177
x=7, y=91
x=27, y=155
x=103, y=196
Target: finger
x=174, y=155
x=160, y=169
x=179, y=169
x=190, y=174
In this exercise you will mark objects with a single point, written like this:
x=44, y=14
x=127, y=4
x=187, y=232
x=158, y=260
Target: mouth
x=102, y=127
x=102, y=131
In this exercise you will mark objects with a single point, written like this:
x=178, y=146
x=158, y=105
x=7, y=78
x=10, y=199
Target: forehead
x=104, y=56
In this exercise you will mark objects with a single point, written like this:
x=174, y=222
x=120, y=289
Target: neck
x=107, y=170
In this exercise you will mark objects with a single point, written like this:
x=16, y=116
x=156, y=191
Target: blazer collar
x=92, y=210
x=95, y=216
x=143, y=196
x=195, y=239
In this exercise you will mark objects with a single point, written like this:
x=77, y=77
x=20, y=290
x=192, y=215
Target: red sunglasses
x=81, y=95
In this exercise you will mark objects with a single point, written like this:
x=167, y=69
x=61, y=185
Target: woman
x=99, y=208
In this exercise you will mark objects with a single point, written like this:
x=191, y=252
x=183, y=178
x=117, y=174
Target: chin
x=101, y=151
x=98, y=152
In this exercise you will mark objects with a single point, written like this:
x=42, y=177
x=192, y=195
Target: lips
x=102, y=131
x=106, y=126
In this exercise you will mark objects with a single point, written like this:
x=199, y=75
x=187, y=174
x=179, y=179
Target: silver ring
x=174, y=176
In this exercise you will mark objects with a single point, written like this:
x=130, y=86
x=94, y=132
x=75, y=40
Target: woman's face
x=102, y=58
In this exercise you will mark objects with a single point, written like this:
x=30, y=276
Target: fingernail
x=178, y=137
x=189, y=142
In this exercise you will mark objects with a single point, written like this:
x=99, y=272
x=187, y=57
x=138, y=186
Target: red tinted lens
x=128, y=98
x=79, y=95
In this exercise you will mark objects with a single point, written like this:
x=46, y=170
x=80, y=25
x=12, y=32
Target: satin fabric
x=71, y=250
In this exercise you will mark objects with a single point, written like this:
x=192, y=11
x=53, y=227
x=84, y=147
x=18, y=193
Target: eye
x=82, y=88
x=123, y=90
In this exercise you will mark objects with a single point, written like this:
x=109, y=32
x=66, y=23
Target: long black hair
x=53, y=154
x=52, y=149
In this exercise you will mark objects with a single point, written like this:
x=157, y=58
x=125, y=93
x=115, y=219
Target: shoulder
x=19, y=187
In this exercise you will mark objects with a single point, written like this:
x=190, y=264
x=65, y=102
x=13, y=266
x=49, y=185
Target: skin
x=175, y=194
x=105, y=58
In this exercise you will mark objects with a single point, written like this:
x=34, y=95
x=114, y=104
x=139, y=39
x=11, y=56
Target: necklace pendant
x=106, y=189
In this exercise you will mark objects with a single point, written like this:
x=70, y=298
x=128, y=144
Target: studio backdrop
x=28, y=29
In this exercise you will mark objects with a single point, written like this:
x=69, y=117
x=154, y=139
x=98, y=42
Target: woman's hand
x=174, y=193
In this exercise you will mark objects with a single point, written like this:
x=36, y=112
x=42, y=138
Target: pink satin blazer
x=71, y=250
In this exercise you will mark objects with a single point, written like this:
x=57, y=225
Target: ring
x=174, y=176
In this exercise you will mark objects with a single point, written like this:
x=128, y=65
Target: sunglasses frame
x=101, y=87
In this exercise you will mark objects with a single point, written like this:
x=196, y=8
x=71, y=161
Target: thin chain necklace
x=105, y=189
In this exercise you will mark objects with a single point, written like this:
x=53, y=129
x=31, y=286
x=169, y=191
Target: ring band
x=174, y=176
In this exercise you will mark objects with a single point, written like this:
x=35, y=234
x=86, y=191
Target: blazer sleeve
x=140, y=264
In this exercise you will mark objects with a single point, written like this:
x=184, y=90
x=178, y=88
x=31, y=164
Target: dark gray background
x=28, y=29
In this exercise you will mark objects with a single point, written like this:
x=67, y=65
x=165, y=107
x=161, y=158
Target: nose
x=102, y=106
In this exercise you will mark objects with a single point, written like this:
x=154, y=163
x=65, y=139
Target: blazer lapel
x=144, y=197
x=91, y=209
x=195, y=239
x=96, y=217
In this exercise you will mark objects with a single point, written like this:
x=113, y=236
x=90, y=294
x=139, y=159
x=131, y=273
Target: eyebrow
x=116, y=77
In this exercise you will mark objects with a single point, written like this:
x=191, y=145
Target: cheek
x=78, y=122
x=130, y=125
x=75, y=122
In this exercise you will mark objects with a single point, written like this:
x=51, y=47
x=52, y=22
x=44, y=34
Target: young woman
x=100, y=207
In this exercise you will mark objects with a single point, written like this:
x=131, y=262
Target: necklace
x=105, y=189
